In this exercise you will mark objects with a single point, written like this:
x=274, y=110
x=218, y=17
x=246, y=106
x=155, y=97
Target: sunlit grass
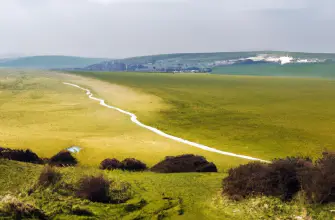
x=40, y=113
x=264, y=117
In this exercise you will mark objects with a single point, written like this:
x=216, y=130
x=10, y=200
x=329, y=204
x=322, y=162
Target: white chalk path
x=161, y=133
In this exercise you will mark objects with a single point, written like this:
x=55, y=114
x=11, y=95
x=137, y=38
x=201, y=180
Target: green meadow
x=264, y=117
x=261, y=117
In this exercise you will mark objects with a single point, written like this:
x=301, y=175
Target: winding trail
x=133, y=118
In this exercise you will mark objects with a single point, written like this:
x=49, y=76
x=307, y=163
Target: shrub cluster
x=129, y=164
x=20, y=155
x=63, y=158
x=184, y=163
x=318, y=182
x=283, y=178
x=100, y=189
x=110, y=164
x=95, y=189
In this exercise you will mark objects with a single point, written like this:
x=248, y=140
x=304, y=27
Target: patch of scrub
x=74, y=149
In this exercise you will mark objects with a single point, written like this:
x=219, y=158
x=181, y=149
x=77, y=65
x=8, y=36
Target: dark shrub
x=207, y=168
x=110, y=164
x=95, y=189
x=284, y=176
x=184, y=163
x=132, y=164
x=279, y=179
x=246, y=180
x=318, y=182
x=49, y=176
x=19, y=210
x=63, y=158
x=20, y=155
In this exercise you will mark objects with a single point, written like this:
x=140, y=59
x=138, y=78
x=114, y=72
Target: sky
x=126, y=28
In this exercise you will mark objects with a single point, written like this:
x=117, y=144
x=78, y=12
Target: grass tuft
x=49, y=176
x=13, y=207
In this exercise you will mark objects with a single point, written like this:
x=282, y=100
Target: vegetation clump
x=131, y=164
x=279, y=179
x=95, y=189
x=110, y=164
x=100, y=189
x=63, y=158
x=49, y=176
x=184, y=163
x=20, y=155
x=12, y=207
x=318, y=182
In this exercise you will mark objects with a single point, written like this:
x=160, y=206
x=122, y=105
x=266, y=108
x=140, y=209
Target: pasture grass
x=264, y=117
x=40, y=113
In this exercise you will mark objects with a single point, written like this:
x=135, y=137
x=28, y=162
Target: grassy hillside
x=210, y=57
x=48, y=62
x=154, y=196
x=264, y=117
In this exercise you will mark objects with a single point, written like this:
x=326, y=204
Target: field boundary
x=134, y=119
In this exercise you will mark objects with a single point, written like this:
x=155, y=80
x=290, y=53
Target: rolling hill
x=247, y=63
x=49, y=62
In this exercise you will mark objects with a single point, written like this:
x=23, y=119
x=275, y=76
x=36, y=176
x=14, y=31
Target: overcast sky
x=123, y=28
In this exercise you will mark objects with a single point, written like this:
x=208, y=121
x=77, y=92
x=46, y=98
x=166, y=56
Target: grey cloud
x=115, y=28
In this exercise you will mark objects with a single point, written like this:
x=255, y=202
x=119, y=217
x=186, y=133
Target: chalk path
x=134, y=119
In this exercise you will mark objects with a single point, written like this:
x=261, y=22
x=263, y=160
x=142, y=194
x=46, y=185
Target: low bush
x=279, y=179
x=100, y=189
x=246, y=180
x=318, y=182
x=20, y=155
x=184, y=163
x=63, y=158
x=11, y=206
x=95, y=189
x=284, y=176
x=49, y=176
x=110, y=164
x=131, y=164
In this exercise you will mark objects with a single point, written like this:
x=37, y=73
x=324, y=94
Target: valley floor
x=38, y=112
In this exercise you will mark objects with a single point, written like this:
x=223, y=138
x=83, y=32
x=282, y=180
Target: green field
x=261, y=117
x=39, y=112
x=264, y=117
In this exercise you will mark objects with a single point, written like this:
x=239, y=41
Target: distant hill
x=208, y=62
x=49, y=62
